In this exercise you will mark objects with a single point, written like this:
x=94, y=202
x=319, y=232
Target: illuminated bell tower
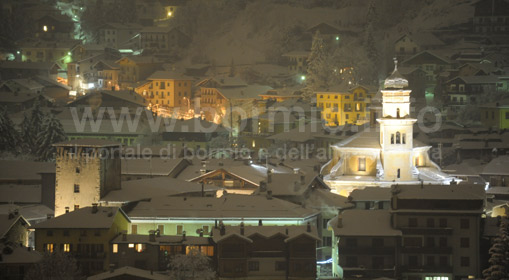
x=396, y=129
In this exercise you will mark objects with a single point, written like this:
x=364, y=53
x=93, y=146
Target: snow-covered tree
x=193, y=265
x=52, y=133
x=54, y=266
x=30, y=128
x=499, y=254
x=9, y=137
x=318, y=71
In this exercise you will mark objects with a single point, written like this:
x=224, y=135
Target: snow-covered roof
x=83, y=218
x=245, y=92
x=29, y=212
x=356, y=222
x=371, y=194
x=288, y=232
x=365, y=139
x=25, y=170
x=168, y=75
x=439, y=192
x=129, y=273
x=8, y=221
x=15, y=193
x=321, y=198
x=156, y=166
x=423, y=39
x=497, y=166
x=228, y=206
x=28, y=65
x=88, y=142
x=134, y=190
x=18, y=255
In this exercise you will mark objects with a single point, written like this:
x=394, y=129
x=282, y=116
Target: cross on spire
x=395, y=64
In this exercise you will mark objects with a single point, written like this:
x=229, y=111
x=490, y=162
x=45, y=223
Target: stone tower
x=396, y=129
x=86, y=170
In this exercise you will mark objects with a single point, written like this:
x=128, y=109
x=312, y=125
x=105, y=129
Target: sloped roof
x=228, y=206
x=15, y=193
x=26, y=170
x=324, y=28
x=426, y=55
x=438, y=192
x=156, y=166
x=128, y=272
x=489, y=79
x=374, y=223
x=7, y=222
x=163, y=239
x=288, y=232
x=365, y=139
x=168, y=75
x=88, y=142
x=84, y=218
x=423, y=39
x=28, y=65
x=19, y=255
x=371, y=194
x=135, y=190
x=497, y=166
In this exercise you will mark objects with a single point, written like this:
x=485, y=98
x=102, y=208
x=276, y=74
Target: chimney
x=308, y=227
x=242, y=228
x=94, y=208
x=302, y=179
x=152, y=236
x=263, y=186
x=269, y=194
x=260, y=223
x=11, y=215
x=66, y=209
x=184, y=235
x=222, y=229
x=201, y=233
x=48, y=216
x=269, y=176
x=215, y=223
x=158, y=233
x=286, y=231
x=16, y=212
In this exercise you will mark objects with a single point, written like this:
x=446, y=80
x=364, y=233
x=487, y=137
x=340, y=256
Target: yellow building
x=167, y=89
x=496, y=114
x=136, y=68
x=344, y=106
x=85, y=233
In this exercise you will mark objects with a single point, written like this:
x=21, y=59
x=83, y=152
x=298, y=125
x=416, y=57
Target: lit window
x=45, y=28
x=49, y=247
x=115, y=248
x=131, y=245
x=67, y=248
x=362, y=164
x=140, y=248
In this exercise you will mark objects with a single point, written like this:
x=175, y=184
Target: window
x=76, y=188
x=392, y=138
x=412, y=242
x=430, y=222
x=351, y=242
x=49, y=233
x=412, y=222
x=442, y=242
x=49, y=248
x=351, y=261
x=443, y=260
x=180, y=229
x=430, y=242
x=76, y=207
x=378, y=262
x=67, y=248
x=464, y=242
x=443, y=222
x=399, y=173
x=378, y=242
x=346, y=116
x=465, y=261
x=362, y=164
x=140, y=248
x=430, y=260
x=253, y=266
x=327, y=241
x=134, y=229
x=131, y=245
x=412, y=260
x=464, y=224
x=324, y=222
x=115, y=248
x=280, y=266
x=97, y=233
x=398, y=138
x=83, y=233
x=403, y=138
x=77, y=170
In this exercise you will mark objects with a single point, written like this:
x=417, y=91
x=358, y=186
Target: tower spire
x=395, y=64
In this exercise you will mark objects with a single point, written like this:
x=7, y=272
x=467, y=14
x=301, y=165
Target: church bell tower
x=396, y=128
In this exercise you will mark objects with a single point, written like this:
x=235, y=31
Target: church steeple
x=396, y=127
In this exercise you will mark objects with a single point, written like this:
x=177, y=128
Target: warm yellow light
x=115, y=248
x=169, y=14
x=67, y=247
x=45, y=28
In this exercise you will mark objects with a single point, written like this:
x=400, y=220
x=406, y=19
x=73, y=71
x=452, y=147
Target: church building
x=385, y=154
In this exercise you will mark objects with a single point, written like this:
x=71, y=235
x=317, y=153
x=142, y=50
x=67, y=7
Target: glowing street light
x=337, y=38
x=302, y=78
x=45, y=28
x=169, y=14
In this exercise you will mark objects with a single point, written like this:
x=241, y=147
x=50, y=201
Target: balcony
x=426, y=231
x=426, y=268
x=427, y=250
x=367, y=250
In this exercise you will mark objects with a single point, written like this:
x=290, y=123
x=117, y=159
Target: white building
x=387, y=154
